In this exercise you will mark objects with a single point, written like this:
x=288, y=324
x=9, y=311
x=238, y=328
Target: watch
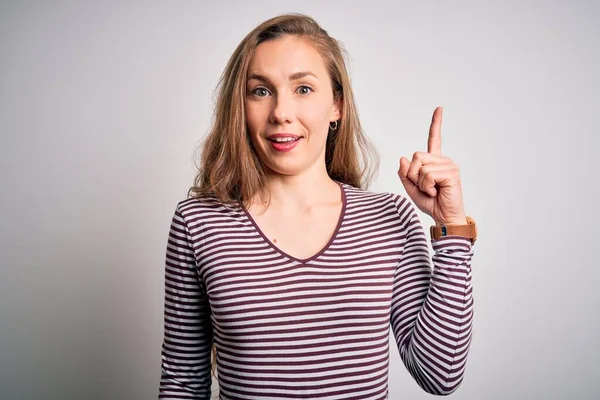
x=469, y=231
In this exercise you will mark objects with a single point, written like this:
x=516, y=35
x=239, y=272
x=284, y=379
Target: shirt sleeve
x=432, y=310
x=187, y=343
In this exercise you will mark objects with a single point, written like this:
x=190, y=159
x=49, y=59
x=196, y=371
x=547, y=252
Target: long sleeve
x=185, y=366
x=432, y=310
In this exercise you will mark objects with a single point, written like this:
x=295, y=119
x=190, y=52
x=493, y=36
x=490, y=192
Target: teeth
x=283, y=140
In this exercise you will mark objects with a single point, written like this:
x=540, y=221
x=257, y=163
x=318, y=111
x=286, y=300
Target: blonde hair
x=230, y=169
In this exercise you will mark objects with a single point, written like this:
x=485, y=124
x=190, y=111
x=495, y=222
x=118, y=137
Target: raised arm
x=185, y=366
x=432, y=311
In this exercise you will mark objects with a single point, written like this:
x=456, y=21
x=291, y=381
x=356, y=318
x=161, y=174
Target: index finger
x=434, y=142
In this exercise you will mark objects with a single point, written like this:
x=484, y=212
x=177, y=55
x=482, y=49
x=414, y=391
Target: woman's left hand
x=432, y=181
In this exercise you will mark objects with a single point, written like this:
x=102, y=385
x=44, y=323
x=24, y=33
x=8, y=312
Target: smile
x=284, y=144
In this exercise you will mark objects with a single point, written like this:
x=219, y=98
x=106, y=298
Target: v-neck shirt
x=317, y=254
x=316, y=328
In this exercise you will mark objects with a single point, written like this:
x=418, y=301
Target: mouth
x=284, y=140
x=284, y=143
x=283, y=137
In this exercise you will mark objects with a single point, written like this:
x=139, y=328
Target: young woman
x=286, y=265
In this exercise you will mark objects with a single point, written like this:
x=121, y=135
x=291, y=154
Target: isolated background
x=103, y=104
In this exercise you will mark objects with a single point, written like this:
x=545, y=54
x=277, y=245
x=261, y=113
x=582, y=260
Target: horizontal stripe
x=318, y=328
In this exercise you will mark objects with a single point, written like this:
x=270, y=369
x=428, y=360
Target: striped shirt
x=318, y=328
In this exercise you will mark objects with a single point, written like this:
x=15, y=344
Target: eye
x=260, y=92
x=304, y=90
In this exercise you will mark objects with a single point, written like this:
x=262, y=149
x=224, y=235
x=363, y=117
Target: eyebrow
x=293, y=77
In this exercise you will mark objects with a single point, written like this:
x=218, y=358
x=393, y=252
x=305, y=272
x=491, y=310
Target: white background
x=103, y=104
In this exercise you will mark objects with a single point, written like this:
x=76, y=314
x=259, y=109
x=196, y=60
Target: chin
x=287, y=170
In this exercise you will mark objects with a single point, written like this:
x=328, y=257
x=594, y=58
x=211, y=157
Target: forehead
x=284, y=56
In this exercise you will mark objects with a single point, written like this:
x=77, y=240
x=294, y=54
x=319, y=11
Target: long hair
x=230, y=169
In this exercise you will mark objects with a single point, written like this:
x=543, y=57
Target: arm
x=185, y=366
x=432, y=311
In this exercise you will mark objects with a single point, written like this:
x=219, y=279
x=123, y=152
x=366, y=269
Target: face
x=289, y=104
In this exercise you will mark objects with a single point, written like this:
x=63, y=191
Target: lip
x=284, y=146
x=283, y=135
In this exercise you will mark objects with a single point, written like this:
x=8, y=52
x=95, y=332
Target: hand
x=433, y=181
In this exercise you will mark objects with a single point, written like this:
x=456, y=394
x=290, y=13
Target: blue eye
x=260, y=92
x=304, y=92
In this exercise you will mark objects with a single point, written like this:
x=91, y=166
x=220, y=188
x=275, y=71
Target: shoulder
x=196, y=210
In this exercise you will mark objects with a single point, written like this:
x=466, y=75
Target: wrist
x=455, y=221
x=455, y=227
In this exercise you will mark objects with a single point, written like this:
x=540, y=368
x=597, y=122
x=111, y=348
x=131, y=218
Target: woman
x=287, y=265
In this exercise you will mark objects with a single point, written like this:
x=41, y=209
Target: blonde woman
x=281, y=263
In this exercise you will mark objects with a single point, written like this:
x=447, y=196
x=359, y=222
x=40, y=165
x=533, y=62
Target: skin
x=433, y=181
x=278, y=102
x=281, y=98
x=289, y=91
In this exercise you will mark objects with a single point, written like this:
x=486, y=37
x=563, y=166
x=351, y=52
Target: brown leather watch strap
x=469, y=231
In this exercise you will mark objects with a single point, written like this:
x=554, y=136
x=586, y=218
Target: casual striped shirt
x=316, y=328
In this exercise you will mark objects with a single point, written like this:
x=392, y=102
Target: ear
x=336, y=111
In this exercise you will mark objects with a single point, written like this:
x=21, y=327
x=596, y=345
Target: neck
x=302, y=191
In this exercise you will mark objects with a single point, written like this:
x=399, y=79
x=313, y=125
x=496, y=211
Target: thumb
x=409, y=186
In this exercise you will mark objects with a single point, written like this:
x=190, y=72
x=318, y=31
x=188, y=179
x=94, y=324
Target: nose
x=283, y=109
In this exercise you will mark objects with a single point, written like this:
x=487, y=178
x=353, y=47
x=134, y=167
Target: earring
x=334, y=126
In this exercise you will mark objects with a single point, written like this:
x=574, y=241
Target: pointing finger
x=434, y=142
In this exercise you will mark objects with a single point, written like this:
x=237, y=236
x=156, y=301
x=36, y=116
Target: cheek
x=319, y=109
x=256, y=118
x=250, y=116
x=255, y=126
x=316, y=117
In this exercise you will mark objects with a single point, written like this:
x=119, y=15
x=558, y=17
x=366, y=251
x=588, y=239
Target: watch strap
x=469, y=230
